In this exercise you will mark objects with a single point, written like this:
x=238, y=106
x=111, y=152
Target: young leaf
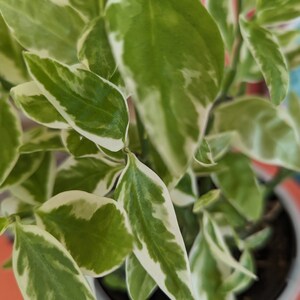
x=44, y=269
x=158, y=51
x=10, y=132
x=36, y=107
x=139, y=283
x=84, y=221
x=219, y=144
x=46, y=36
x=39, y=139
x=206, y=200
x=94, y=49
x=239, y=184
x=186, y=190
x=90, y=174
x=204, y=155
x=91, y=105
x=26, y=165
x=39, y=186
x=266, y=51
x=4, y=223
x=263, y=131
x=159, y=244
x=78, y=145
x=206, y=272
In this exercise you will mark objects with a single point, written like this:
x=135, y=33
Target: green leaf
x=240, y=186
x=218, y=248
x=139, y=283
x=26, y=165
x=91, y=105
x=206, y=199
x=90, y=9
x=36, y=107
x=94, y=49
x=167, y=55
x=7, y=264
x=39, y=139
x=78, y=145
x=263, y=131
x=44, y=269
x=10, y=132
x=223, y=14
x=159, y=244
x=259, y=239
x=186, y=191
x=206, y=272
x=4, y=223
x=90, y=174
x=35, y=26
x=293, y=108
x=219, y=144
x=84, y=221
x=12, y=67
x=204, y=155
x=237, y=281
x=277, y=11
x=12, y=205
x=266, y=51
x=293, y=58
x=39, y=186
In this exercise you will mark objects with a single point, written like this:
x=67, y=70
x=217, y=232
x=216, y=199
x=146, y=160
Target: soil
x=273, y=262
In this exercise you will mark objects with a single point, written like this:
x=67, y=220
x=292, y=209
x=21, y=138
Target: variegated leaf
x=265, y=49
x=12, y=67
x=94, y=49
x=186, y=191
x=38, y=187
x=240, y=186
x=173, y=85
x=4, y=223
x=258, y=240
x=12, y=205
x=140, y=285
x=84, y=221
x=264, y=132
x=219, y=144
x=78, y=145
x=46, y=36
x=90, y=104
x=293, y=108
x=159, y=244
x=26, y=165
x=44, y=269
x=36, y=107
x=90, y=9
x=204, y=155
x=90, y=174
x=39, y=139
x=10, y=133
x=206, y=199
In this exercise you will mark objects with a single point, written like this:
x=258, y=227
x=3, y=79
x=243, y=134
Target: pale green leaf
x=12, y=205
x=258, y=240
x=240, y=186
x=206, y=199
x=90, y=174
x=90, y=104
x=293, y=108
x=94, y=49
x=167, y=54
x=39, y=139
x=78, y=145
x=265, y=49
x=44, y=26
x=223, y=14
x=36, y=107
x=219, y=144
x=159, y=245
x=186, y=191
x=4, y=223
x=12, y=67
x=38, y=187
x=139, y=283
x=206, y=274
x=263, y=131
x=44, y=269
x=26, y=165
x=89, y=8
x=218, y=247
x=277, y=11
x=237, y=281
x=204, y=155
x=84, y=221
x=293, y=58
x=288, y=38
x=10, y=133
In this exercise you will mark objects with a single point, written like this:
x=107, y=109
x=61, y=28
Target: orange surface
x=8, y=286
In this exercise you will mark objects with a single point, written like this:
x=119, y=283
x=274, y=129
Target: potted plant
x=139, y=162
